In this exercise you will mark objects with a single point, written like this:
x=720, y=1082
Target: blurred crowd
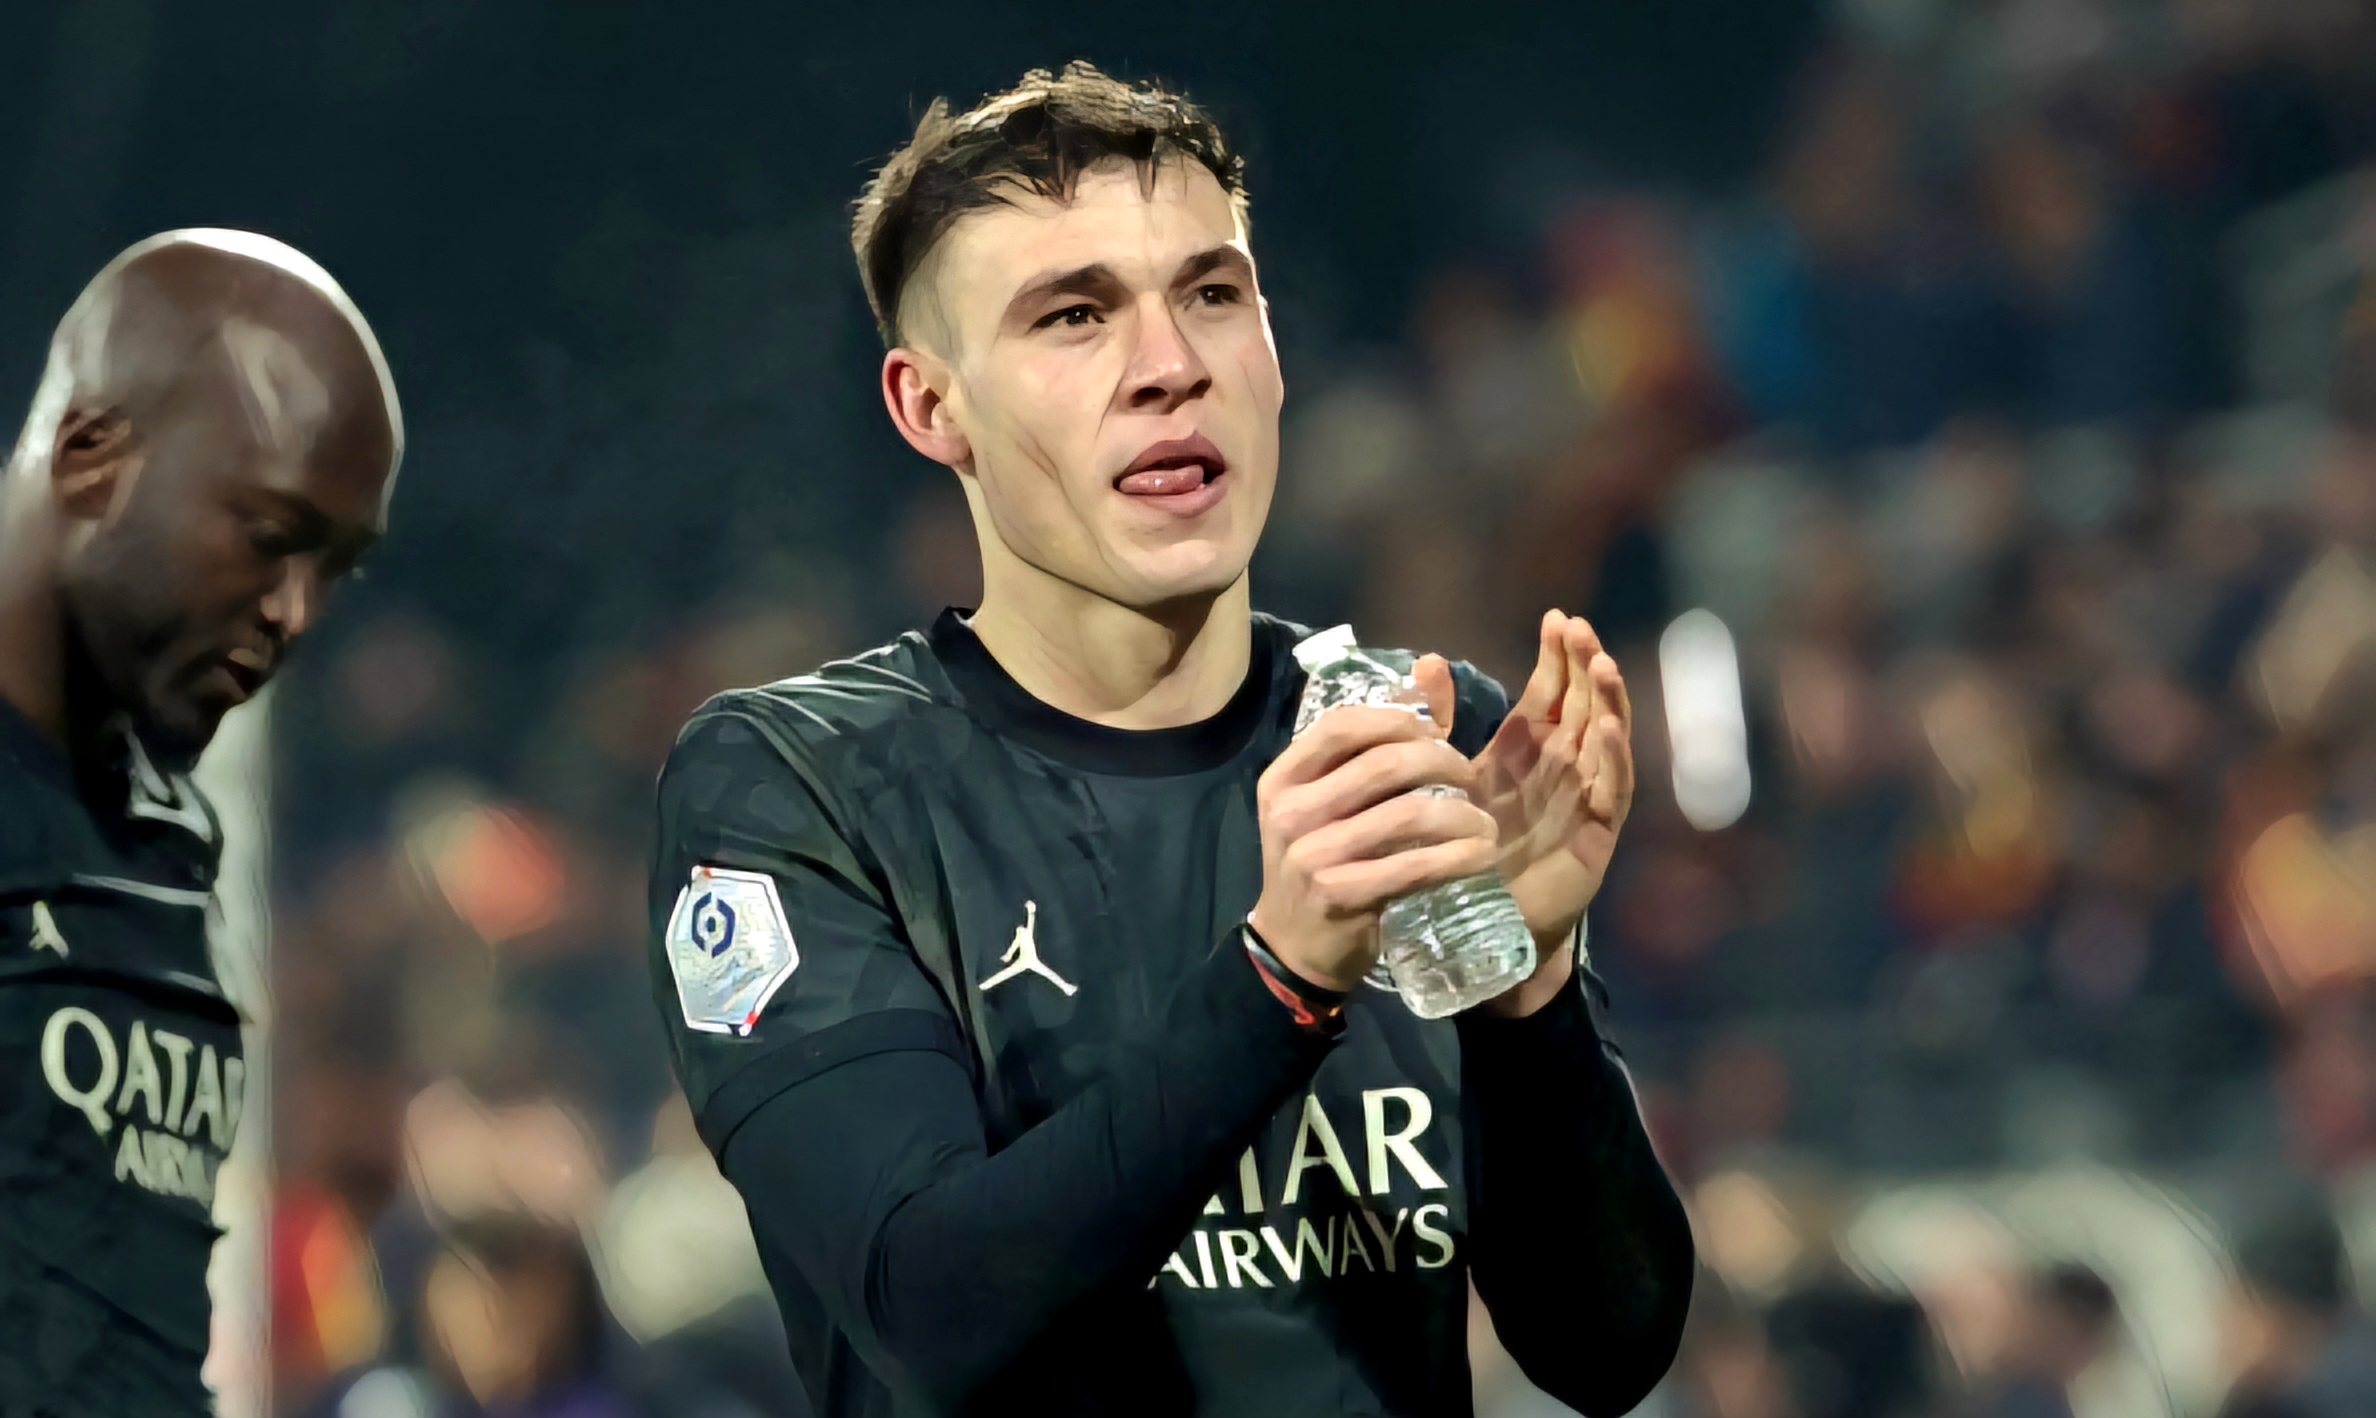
x=2009, y=1032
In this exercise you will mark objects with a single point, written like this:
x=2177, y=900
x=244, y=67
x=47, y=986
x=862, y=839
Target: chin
x=180, y=729
x=1174, y=584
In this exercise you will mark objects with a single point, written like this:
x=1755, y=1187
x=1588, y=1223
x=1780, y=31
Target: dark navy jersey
x=125, y=1078
x=902, y=881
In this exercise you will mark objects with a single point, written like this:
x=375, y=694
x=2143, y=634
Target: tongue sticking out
x=1164, y=482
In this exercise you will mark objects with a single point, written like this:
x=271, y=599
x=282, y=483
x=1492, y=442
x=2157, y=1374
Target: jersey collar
x=1011, y=711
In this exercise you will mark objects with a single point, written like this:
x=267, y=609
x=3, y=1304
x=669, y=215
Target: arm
x=1578, y=1242
x=846, y=1114
x=946, y=1260
x=1579, y=1245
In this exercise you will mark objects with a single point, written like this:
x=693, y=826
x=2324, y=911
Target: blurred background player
x=954, y=937
x=212, y=446
x=2069, y=1321
x=2304, y=1347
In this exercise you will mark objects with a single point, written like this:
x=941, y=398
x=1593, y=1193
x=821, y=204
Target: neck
x=32, y=618
x=1120, y=666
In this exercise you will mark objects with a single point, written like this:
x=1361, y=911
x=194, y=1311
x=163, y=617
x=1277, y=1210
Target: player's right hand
x=1343, y=835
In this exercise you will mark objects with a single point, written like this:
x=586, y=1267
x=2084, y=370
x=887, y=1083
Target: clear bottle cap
x=1326, y=647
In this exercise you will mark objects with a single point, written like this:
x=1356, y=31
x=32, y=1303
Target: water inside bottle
x=1461, y=943
x=1457, y=946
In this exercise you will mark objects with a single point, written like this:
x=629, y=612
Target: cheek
x=192, y=571
x=1258, y=359
x=1039, y=450
x=1260, y=392
x=220, y=563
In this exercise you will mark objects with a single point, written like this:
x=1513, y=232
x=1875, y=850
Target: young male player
x=211, y=446
x=1017, y=969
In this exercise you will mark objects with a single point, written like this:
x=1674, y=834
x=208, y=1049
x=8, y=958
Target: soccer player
x=1018, y=970
x=211, y=446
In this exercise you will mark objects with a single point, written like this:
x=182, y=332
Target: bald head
x=214, y=441
x=257, y=320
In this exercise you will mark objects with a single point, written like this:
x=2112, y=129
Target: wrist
x=1549, y=939
x=1555, y=970
x=1314, y=1006
x=1303, y=973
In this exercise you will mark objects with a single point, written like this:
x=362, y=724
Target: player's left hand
x=1558, y=778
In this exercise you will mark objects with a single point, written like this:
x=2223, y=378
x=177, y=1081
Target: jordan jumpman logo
x=1023, y=957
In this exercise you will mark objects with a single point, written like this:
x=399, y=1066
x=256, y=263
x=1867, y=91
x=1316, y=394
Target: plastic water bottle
x=1454, y=945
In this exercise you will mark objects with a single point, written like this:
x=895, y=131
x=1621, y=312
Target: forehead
x=1114, y=217
x=301, y=414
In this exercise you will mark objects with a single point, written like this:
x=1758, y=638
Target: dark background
x=2002, y=373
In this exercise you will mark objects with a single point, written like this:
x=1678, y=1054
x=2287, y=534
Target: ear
x=91, y=461
x=915, y=390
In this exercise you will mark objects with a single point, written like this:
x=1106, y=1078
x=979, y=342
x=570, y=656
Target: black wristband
x=1315, y=1007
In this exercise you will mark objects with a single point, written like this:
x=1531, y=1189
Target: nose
x=1165, y=371
x=294, y=601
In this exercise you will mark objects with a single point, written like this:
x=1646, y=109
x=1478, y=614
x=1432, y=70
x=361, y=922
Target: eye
x=272, y=540
x=1218, y=293
x=1071, y=317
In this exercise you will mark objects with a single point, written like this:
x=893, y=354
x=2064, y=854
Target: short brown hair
x=1038, y=136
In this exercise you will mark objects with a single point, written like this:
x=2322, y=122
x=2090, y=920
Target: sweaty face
x=244, y=495
x=1111, y=367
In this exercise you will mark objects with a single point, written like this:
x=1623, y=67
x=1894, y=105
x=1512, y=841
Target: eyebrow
x=1099, y=280
x=1206, y=262
x=348, y=546
x=1094, y=279
x=345, y=543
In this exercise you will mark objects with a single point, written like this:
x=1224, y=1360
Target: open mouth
x=246, y=673
x=1176, y=468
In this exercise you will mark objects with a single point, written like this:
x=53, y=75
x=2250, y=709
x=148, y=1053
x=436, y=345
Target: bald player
x=212, y=446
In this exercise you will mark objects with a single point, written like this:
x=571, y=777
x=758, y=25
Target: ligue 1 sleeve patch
x=729, y=948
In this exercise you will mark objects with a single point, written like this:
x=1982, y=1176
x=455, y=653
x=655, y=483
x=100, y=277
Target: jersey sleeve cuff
x=1248, y=1017
x=1314, y=1008
x=1558, y=1040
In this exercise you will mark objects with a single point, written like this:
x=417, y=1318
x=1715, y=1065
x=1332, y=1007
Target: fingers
x=1620, y=772
x=1337, y=736
x=1549, y=680
x=1388, y=828
x=1377, y=775
x=1589, y=659
x=1609, y=762
x=1434, y=675
x=1566, y=649
x=1610, y=681
x=1361, y=887
x=1594, y=714
x=1606, y=762
x=1597, y=770
x=1579, y=707
x=1582, y=640
x=1359, y=864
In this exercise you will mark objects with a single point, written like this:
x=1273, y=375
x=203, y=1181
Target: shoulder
x=813, y=718
x=44, y=834
x=834, y=737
